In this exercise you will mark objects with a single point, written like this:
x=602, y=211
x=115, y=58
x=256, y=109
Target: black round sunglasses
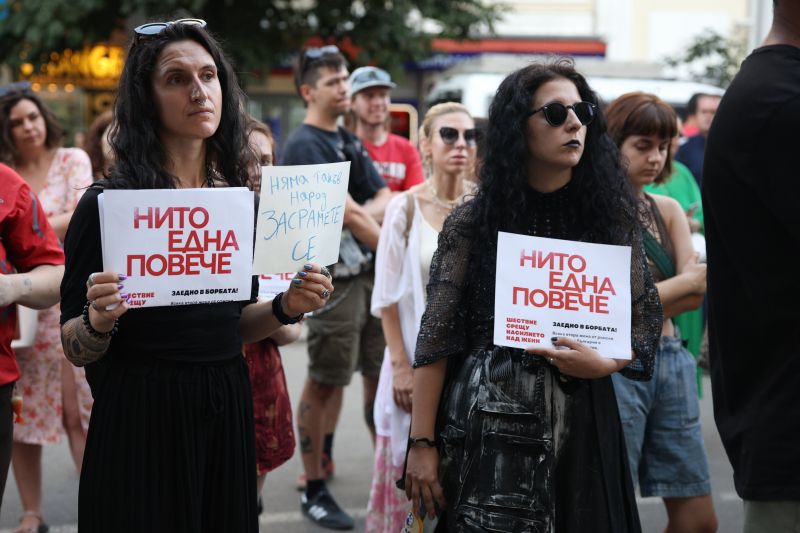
x=556, y=113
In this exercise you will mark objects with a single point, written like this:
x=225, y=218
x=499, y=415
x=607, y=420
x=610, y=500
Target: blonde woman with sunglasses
x=408, y=240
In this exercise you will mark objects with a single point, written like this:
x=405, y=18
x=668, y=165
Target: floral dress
x=40, y=365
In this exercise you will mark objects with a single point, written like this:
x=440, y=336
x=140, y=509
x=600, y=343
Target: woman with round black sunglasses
x=504, y=439
x=556, y=113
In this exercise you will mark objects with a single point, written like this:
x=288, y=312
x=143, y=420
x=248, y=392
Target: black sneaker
x=325, y=512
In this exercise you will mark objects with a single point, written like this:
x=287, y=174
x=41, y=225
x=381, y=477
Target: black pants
x=6, y=435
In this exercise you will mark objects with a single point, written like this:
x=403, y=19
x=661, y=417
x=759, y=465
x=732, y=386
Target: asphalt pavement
x=352, y=454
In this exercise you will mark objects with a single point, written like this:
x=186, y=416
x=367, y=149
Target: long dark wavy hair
x=606, y=206
x=140, y=157
x=53, y=132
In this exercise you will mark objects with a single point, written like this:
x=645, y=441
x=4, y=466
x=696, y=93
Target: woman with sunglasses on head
x=661, y=418
x=170, y=445
x=409, y=233
x=56, y=397
x=504, y=439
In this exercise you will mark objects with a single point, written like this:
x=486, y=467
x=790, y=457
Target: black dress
x=523, y=448
x=170, y=446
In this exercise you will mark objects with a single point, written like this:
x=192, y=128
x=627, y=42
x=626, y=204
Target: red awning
x=580, y=47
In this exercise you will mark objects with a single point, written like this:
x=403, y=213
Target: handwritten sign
x=300, y=216
x=179, y=246
x=555, y=288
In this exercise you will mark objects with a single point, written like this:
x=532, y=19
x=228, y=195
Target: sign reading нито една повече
x=179, y=246
x=557, y=288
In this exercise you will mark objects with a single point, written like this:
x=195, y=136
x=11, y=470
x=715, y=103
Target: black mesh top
x=459, y=316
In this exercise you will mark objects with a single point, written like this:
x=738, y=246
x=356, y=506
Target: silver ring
x=94, y=305
x=90, y=281
x=551, y=360
x=325, y=272
x=325, y=294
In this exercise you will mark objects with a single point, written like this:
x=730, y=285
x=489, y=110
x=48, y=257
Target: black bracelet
x=282, y=317
x=413, y=441
x=93, y=332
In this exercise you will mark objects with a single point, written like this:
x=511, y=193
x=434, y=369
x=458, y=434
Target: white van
x=477, y=89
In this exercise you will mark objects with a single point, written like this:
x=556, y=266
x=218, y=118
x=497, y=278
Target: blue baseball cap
x=366, y=77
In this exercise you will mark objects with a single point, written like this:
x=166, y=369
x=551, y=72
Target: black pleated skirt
x=170, y=449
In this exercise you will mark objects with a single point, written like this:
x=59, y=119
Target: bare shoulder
x=668, y=207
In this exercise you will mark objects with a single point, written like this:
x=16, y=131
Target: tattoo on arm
x=80, y=346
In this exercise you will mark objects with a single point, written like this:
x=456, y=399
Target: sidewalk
x=353, y=456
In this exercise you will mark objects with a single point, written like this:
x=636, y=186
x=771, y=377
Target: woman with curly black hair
x=528, y=443
x=170, y=444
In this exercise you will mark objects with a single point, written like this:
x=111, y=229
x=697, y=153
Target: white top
x=398, y=279
x=428, y=242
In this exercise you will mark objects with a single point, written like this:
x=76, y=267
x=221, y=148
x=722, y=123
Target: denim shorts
x=661, y=421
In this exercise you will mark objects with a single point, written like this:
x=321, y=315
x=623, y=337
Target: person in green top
x=682, y=186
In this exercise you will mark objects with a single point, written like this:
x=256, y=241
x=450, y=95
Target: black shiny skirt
x=526, y=450
x=170, y=449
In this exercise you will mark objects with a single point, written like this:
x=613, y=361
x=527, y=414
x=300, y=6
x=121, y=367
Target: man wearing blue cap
x=395, y=157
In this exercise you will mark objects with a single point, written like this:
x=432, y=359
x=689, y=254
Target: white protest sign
x=271, y=284
x=555, y=288
x=179, y=246
x=300, y=216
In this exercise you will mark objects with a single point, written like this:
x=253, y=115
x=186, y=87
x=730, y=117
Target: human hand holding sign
x=309, y=290
x=105, y=289
x=577, y=360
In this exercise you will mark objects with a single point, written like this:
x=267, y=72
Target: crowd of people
x=186, y=401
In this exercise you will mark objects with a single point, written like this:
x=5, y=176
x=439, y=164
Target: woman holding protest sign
x=410, y=229
x=661, y=417
x=170, y=444
x=55, y=396
x=272, y=409
x=504, y=439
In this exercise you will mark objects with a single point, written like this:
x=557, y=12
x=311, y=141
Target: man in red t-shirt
x=31, y=267
x=397, y=160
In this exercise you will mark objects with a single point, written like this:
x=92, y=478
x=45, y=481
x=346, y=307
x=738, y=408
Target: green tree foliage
x=256, y=33
x=711, y=58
